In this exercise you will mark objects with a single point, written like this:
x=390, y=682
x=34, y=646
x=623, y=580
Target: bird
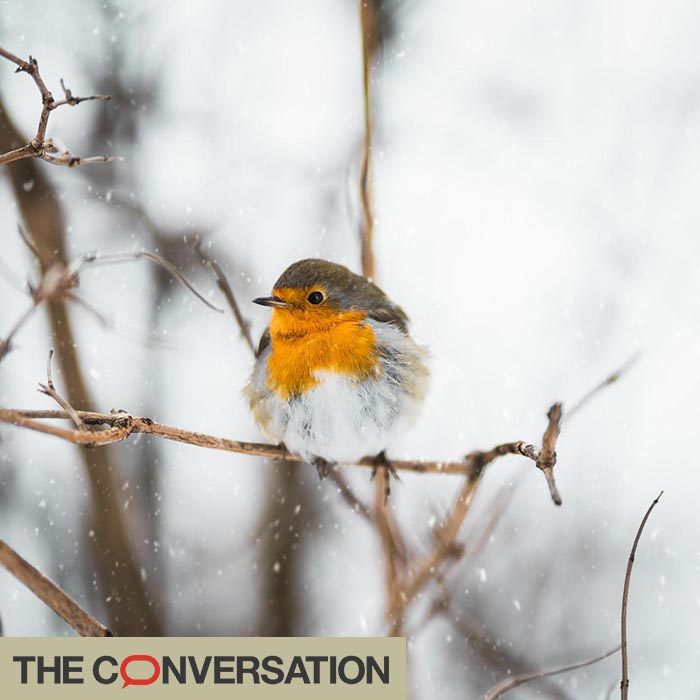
x=337, y=377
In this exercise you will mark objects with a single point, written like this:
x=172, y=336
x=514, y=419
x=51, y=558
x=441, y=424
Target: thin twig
x=115, y=258
x=60, y=281
x=446, y=548
x=447, y=551
x=625, y=682
x=495, y=512
x=130, y=606
x=47, y=591
x=6, y=343
x=349, y=495
x=475, y=634
x=29, y=242
x=608, y=381
x=225, y=287
x=547, y=457
x=387, y=529
x=367, y=28
x=507, y=684
x=50, y=390
x=40, y=146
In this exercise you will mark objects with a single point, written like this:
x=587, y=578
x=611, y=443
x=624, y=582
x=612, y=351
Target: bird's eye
x=315, y=298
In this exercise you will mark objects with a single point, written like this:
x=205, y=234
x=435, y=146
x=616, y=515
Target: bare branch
x=48, y=592
x=40, y=146
x=625, y=682
x=475, y=633
x=610, y=379
x=501, y=688
x=59, y=282
x=129, y=604
x=387, y=530
x=446, y=548
x=368, y=26
x=122, y=424
x=404, y=579
x=349, y=496
x=50, y=390
x=225, y=287
x=29, y=242
x=111, y=259
x=498, y=507
x=6, y=343
x=547, y=457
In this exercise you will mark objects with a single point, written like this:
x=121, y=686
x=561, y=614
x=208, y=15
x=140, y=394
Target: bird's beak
x=276, y=302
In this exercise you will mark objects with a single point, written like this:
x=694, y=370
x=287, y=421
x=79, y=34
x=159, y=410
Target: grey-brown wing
x=264, y=343
x=390, y=313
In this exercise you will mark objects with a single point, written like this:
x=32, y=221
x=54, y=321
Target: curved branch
x=625, y=682
x=501, y=688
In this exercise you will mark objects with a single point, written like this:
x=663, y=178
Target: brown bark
x=131, y=611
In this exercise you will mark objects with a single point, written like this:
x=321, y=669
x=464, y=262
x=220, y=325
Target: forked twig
x=40, y=146
x=50, y=390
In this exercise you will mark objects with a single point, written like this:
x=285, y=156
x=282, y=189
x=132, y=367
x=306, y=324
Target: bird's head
x=314, y=294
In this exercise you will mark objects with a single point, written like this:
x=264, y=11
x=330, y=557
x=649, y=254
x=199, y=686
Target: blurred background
x=535, y=188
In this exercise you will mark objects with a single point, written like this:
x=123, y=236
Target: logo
x=186, y=667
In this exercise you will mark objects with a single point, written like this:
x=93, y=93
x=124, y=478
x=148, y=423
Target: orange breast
x=304, y=343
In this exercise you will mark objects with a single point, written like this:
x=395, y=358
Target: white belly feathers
x=345, y=418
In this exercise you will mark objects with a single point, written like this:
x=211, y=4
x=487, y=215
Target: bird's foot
x=381, y=461
x=323, y=467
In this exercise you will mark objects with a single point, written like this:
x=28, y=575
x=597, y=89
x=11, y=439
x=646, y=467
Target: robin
x=337, y=377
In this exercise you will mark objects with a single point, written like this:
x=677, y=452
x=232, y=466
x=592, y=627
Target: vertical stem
x=386, y=527
x=625, y=683
x=368, y=25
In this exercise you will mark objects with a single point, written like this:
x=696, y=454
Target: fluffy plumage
x=340, y=379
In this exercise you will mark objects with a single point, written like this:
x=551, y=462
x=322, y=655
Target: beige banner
x=203, y=667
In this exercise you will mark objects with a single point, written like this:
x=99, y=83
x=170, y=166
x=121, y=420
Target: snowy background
x=536, y=188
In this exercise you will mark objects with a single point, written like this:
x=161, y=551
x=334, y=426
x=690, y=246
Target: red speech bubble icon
x=128, y=680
